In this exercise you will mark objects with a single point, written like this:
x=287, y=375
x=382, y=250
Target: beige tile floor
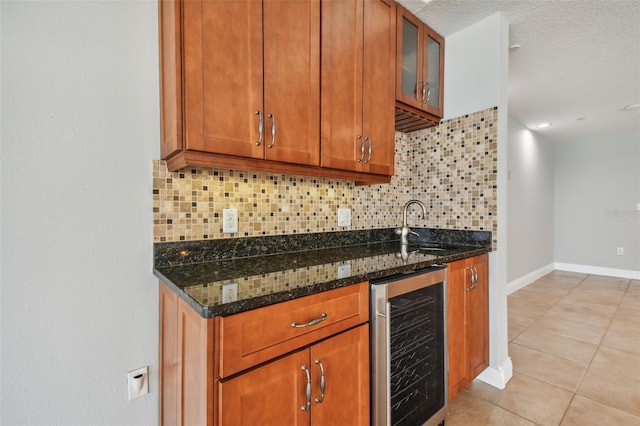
x=574, y=341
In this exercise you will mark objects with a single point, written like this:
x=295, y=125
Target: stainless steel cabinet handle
x=472, y=286
x=307, y=390
x=361, y=148
x=428, y=92
x=475, y=277
x=370, y=148
x=424, y=92
x=273, y=130
x=260, y=127
x=320, y=398
x=311, y=323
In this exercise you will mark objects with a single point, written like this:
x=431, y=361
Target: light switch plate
x=229, y=221
x=344, y=217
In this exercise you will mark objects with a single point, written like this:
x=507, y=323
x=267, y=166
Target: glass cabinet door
x=433, y=76
x=420, y=64
x=409, y=59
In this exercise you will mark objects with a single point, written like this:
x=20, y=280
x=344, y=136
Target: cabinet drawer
x=253, y=337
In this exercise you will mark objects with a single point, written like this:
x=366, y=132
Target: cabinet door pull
x=311, y=323
x=273, y=130
x=424, y=92
x=361, y=148
x=307, y=390
x=428, y=86
x=472, y=286
x=475, y=277
x=260, y=128
x=370, y=148
x=320, y=398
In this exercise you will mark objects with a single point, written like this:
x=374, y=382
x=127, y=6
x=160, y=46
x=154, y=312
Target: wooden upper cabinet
x=252, y=89
x=419, y=72
x=246, y=87
x=240, y=86
x=357, y=85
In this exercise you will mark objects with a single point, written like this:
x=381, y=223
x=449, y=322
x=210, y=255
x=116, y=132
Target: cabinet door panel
x=478, y=321
x=345, y=360
x=434, y=70
x=457, y=279
x=271, y=395
x=223, y=76
x=341, y=84
x=410, y=58
x=292, y=80
x=379, y=85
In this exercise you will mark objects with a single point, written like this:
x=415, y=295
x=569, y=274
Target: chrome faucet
x=404, y=231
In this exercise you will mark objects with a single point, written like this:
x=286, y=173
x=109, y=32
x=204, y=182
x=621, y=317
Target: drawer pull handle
x=307, y=389
x=320, y=398
x=311, y=323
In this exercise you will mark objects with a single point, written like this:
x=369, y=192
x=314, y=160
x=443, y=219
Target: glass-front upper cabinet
x=420, y=65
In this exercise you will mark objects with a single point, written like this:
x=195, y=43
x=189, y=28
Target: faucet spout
x=406, y=207
x=404, y=231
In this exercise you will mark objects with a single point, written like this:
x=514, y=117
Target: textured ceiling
x=579, y=59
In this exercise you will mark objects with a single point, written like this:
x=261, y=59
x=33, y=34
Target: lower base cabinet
x=257, y=368
x=325, y=384
x=467, y=321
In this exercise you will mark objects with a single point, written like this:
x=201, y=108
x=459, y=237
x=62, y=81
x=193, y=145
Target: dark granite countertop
x=263, y=280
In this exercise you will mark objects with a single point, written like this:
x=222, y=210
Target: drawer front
x=253, y=337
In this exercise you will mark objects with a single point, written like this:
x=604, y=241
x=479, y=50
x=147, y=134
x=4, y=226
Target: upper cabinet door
x=341, y=84
x=379, y=86
x=223, y=76
x=434, y=71
x=357, y=85
x=292, y=81
x=410, y=59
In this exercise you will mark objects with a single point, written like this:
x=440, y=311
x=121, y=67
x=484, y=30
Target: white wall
x=80, y=128
x=530, y=203
x=472, y=60
x=476, y=78
x=596, y=190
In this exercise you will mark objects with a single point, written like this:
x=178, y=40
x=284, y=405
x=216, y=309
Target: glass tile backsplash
x=451, y=167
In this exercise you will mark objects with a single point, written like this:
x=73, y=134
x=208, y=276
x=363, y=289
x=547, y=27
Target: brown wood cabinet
x=419, y=73
x=251, y=89
x=467, y=321
x=275, y=394
x=357, y=85
x=247, y=368
x=240, y=88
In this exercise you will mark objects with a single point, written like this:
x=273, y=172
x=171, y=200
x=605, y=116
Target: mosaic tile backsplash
x=452, y=168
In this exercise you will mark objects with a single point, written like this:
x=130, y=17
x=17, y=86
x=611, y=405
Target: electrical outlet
x=229, y=292
x=138, y=382
x=344, y=217
x=344, y=270
x=229, y=221
x=620, y=251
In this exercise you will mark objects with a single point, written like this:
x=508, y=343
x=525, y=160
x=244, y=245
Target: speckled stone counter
x=269, y=270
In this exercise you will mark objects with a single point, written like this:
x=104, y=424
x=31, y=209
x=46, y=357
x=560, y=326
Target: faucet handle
x=397, y=231
x=414, y=233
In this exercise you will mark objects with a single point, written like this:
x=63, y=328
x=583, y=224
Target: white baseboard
x=498, y=377
x=525, y=280
x=597, y=270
